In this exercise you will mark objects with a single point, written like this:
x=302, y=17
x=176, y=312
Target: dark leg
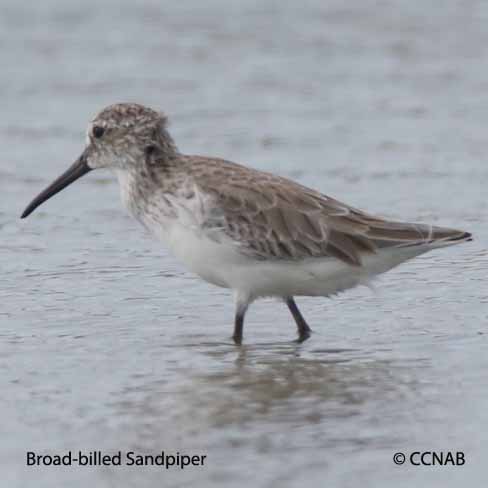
x=242, y=304
x=304, y=330
x=238, y=327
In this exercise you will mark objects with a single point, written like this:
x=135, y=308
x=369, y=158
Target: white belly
x=219, y=262
x=314, y=276
x=214, y=261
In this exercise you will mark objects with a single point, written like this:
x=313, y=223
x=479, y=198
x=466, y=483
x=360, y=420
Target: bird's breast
x=180, y=222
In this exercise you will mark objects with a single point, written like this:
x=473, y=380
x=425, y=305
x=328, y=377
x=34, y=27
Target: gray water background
x=107, y=343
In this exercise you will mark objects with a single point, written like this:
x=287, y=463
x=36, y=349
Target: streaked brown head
x=121, y=136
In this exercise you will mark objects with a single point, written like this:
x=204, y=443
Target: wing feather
x=269, y=217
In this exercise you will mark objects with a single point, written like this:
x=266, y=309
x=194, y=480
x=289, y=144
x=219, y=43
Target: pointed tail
x=403, y=234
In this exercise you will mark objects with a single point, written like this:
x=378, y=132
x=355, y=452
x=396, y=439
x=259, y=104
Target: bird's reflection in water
x=259, y=389
x=284, y=383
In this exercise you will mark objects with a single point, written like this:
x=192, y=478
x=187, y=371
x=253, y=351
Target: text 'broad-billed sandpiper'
x=236, y=227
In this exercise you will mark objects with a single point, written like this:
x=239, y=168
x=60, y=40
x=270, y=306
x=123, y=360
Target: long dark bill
x=75, y=171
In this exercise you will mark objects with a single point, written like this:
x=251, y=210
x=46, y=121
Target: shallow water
x=109, y=344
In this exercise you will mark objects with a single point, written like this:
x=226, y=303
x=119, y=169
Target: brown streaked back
x=271, y=217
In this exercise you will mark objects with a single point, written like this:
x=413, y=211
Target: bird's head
x=121, y=137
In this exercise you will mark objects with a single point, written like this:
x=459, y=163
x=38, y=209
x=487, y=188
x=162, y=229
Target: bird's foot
x=237, y=339
x=303, y=335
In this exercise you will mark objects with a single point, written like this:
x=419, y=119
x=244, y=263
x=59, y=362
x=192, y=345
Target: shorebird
x=256, y=233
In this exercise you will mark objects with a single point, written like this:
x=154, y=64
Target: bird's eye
x=150, y=150
x=98, y=131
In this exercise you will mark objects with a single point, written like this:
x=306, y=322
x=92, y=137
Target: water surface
x=107, y=343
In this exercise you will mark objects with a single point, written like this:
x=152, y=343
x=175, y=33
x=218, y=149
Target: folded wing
x=270, y=217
